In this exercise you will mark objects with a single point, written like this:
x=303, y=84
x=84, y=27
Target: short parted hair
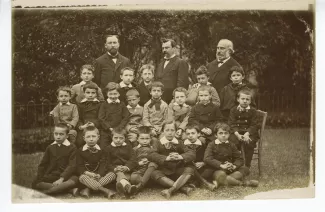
x=180, y=89
x=63, y=126
x=193, y=126
x=90, y=128
x=205, y=88
x=202, y=70
x=222, y=126
x=88, y=67
x=144, y=130
x=172, y=42
x=236, y=69
x=168, y=123
x=108, y=36
x=127, y=69
x=63, y=88
x=156, y=84
x=132, y=92
x=148, y=67
x=111, y=86
x=90, y=85
x=119, y=130
x=245, y=91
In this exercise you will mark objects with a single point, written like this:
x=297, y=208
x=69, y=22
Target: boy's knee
x=153, y=165
x=220, y=176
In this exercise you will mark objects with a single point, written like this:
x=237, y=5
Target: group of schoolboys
x=129, y=135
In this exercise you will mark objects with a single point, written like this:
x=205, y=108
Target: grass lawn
x=285, y=164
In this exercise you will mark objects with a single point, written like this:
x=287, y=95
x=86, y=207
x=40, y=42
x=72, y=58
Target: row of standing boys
x=128, y=134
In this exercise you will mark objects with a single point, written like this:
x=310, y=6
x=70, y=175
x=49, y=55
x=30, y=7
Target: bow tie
x=155, y=103
x=221, y=61
x=92, y=149
x=113, y=56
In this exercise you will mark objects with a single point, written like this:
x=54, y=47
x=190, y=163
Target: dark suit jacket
x=219, y=76
x=107, y=71
x=174, y=75
x=144, y=94
x=88, y=111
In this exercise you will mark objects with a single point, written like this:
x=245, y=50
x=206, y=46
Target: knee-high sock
x=180, y=182
x=166, y=182
x=62, y=187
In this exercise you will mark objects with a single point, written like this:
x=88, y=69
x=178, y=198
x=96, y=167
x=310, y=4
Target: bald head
x=224, y=49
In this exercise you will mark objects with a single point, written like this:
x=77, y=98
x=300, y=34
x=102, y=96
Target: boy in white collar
x=136, y=113
x=179, y=111
x=92, y=165
x=88, y=109
x=224, y=161
x=112, y=114
x=127, y=77
x=87, y=75
x=66, y=112
x=55, y=172
x=243, y=122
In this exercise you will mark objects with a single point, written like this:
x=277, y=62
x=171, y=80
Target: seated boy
x=155, y=111
x=244, y=125
x=56, y=169
x=66, y=112
x=127, y=77
x=136, y=112
x=88, y=111
x=229, y=93
x=205, y=114
x=92, y=165
x=112, y=114
x=179, y=111
x=87, y=75
x=192, y=142
x=122, y=161
x=147, y=75
x=224, y=161
x=202, y=77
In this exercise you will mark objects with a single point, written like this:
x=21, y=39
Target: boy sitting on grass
x=55, y=172
x=92, y=165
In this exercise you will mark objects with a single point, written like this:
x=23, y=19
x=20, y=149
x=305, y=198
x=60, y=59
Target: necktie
x=155, y=103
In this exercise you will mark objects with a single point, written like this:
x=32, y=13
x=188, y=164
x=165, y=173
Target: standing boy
x=127, y=76
x=147, y=74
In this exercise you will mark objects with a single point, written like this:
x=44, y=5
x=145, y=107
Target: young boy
x=92, y=165
x=147, y=74
x=136, y=112
x=174, y=162
x=224, y=161
x=55, y=172
x=205, y=114
x=229, y=92
x=179, y=111
x=155, y=111
x=142, y=173
x=122, y=161
x=88, y=111
x=66, y=112
x=127, y=77
x=244, y=125
x=202, y=77
x=87, y=75
x=112, y=114
x=192, y=142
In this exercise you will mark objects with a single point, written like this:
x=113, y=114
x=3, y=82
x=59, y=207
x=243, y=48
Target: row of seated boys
x=172, y=163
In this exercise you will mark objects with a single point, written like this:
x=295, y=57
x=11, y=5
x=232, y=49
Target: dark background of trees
x=49, y=46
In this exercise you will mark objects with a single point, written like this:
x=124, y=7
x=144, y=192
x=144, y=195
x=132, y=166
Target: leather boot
x=85, y=193
x=251, y=183
x=62, y=187
x=109, y=193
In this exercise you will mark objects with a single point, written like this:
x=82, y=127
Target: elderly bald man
x=220, y=67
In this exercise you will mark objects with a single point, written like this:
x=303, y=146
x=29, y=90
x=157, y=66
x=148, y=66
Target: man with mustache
x=172, y=71
x=108, y=66
x=220, y=67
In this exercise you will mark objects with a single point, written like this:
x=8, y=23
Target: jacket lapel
x=169, y=66
x=118, y=62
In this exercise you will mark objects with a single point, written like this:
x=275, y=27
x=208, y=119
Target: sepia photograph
x=158, y=102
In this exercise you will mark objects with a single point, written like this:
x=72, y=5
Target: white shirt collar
x=219, y=142
x=85, y=100
x=109, y=101
x=197, y=142
x=184, y=105
x=82, y=83
x=225, y=60
x=146, y=84
x=164, y=140
x=170, y=57
x=139, y=146
x=68, y=103
x=65, y=143
x=129, y=107
x=240, y=108
x=85, y=147
x=123, y=85
x=114, y=145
